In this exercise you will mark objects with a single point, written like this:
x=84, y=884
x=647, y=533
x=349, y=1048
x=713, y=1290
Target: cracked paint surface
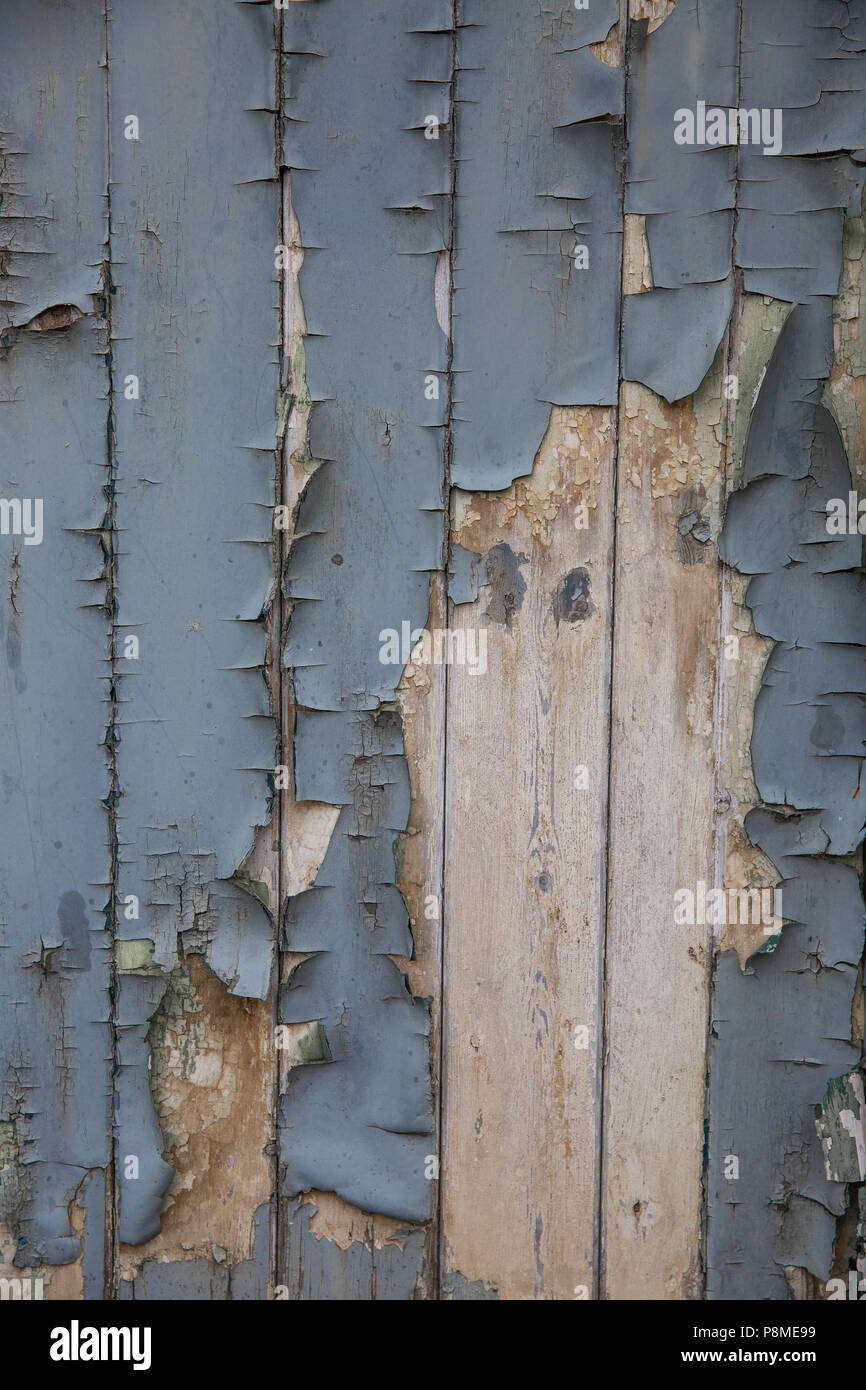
x=194, y=319
x=457, y=169
x=440, y=91
x=360, y=1123
x=783, y=1030
x=142, y=800
x=55, y=878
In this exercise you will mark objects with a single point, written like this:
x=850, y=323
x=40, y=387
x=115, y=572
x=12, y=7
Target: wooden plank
x=667, y=587
x=56, y=1062
x=576, y=759
x=195, y=324
x=663, y=771
x=328, y=1248
x=527, y=752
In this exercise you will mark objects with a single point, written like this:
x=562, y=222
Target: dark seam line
x=108, y=538
x=447, y=457
x=280, y=694
x=734, y=329
x=599, y=1271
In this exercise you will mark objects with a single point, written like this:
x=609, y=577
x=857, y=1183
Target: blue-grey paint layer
x=317, y=1268
x=55, y=867
x=203, y=1280
x=194, y=318
x=789, y=206
x=369, y=186
x=387, y=114
x=458, y=1289
x=538, y=229
x=782, y=1031
x=371, y=137
x=686, y=193
x=195, y=1281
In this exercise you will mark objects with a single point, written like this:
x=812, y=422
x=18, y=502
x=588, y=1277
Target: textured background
x=338, y=960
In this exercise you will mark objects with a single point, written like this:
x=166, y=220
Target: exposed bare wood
x=667, y=589
x=213, y=1074
x=526, y=802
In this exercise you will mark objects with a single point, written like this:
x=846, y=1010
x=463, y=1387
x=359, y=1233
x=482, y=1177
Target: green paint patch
x=312, y=1045
x=254, y=886
x=8, y=1144
x=769, y=945
x=840, y=1127
x=284, y=410
x=136, y=957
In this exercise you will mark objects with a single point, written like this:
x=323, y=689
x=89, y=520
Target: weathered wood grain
x=666, y=642
x=527, y=752
x=541, y=784
x=677, y=291
x=212, y=1065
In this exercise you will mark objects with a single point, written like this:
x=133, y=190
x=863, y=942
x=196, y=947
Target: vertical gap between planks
x=599, y=1261
x=720, y=719
x=285, y=382
x=447, y=456
x=110, y=1270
